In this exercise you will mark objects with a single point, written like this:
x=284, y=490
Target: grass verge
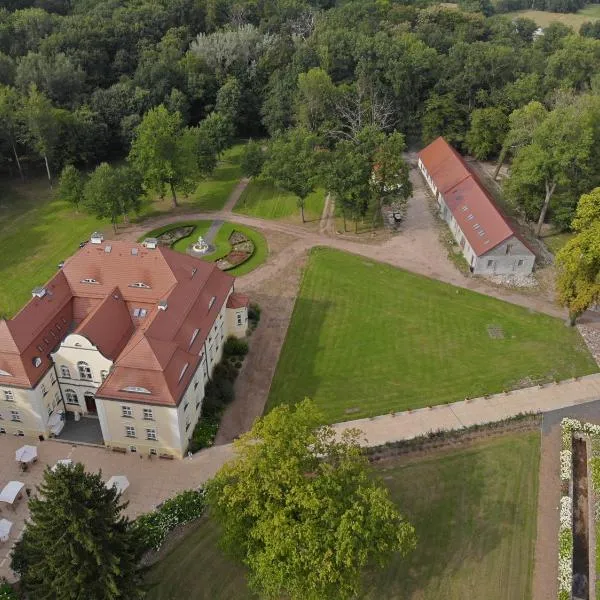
x=366, y=339
x=474, y=511
x=262, y=199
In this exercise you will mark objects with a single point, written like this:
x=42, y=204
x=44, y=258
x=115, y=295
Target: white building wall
x=73, y=350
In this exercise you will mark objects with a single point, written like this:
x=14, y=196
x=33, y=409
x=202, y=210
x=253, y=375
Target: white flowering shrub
x=566, y=464
x=566, y=512
x=153, y=527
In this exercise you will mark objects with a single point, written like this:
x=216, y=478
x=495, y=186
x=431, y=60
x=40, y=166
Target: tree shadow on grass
x=460, y=516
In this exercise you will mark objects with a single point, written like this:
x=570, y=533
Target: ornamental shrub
x=235, y=347
x=254, y=313
x=204, y=433
x=153, y=527
x=7, y=592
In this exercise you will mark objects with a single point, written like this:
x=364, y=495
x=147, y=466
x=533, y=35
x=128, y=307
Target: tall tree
x=9, y=120
x=77, y=543
x=486, y=133
x=162, y=153
x=391, y=175
x=522, y=122
x=291, y=164
x=301, y=510
x=578, y=262
x=252, y=159
x=70, y=186
x=561, y=145
x=42, y=124
x=111, y=192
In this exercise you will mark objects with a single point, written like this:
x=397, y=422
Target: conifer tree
x=77, y=543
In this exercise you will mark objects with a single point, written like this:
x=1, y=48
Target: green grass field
x=474, y=511
x=221, y=243
x=36, y=233
x=262, y=199
x=366, y=339
x=556, y=241
x=574, y=20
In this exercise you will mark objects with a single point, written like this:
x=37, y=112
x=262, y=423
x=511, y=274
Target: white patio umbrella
x=5, y=527
x=67, y=462
x=26, y=454
x=119, y=482
x=10, y=492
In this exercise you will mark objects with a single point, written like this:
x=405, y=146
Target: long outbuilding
x=488, y=242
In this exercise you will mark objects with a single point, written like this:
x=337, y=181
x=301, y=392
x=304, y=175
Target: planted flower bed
x=242, y=248
x=576, y=492
x=169, y=237
x=154, y=526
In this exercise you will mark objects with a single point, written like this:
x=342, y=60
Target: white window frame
x=71, y=397
x=126, y=411
x=65, y=372
x=85, y=371
x=151, y=434
x=15, y=416
x=148, y=414
x=9, y=395
x=130, y=431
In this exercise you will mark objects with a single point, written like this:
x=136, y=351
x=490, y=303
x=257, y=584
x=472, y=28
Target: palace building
x=124, y=333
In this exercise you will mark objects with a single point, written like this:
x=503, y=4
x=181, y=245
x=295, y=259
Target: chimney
x=162, y=305
x=38, y=292
x=97, y=238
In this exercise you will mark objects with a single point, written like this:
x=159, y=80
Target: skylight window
x=465, y=208
x=476, y=226
x=212, y=301
x=185, y=368
x=194, y=335
x=89, y=280
x=481, y=233
x=470, y=217
x=139, y=284
x=136, y=389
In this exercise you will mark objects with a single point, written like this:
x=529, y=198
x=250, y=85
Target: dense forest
x=88, y=81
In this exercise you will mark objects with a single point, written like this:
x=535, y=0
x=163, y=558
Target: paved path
x=415, y=248
x=410, y=424
x=212, y=231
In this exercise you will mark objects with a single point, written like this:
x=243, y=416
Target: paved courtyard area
x=86, y=430
x=151, y=480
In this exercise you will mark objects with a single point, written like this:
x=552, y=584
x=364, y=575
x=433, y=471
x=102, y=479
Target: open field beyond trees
x=574, y=20
x=263, y=199
x=366, y=339
x=474, y=511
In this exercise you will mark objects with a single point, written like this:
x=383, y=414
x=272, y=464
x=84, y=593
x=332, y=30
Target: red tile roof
x=238, y=301
x=475, y=211
x=148, y=351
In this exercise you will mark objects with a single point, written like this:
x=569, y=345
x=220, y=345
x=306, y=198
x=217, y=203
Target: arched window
x=64, y=372
x=84, y=370
x=71, y=397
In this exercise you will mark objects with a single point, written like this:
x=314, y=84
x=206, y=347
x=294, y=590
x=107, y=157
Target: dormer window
x=139, y=313
x=140, y=284
x=5, y=373
x=194, y=336
x=36, y=361
x=89, y=280
x=212, y=301
x=136, y=389
x=185, y=368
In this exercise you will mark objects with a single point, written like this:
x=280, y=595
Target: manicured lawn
x=474, y=511
x=221, y=242
x=210, y=194
x=262, y=199
x=36, y=233
x=366, y=339
x=574, y=20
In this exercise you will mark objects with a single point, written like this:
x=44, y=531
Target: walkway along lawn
x=473, y=510
x=366, y=339
x=262, y=199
